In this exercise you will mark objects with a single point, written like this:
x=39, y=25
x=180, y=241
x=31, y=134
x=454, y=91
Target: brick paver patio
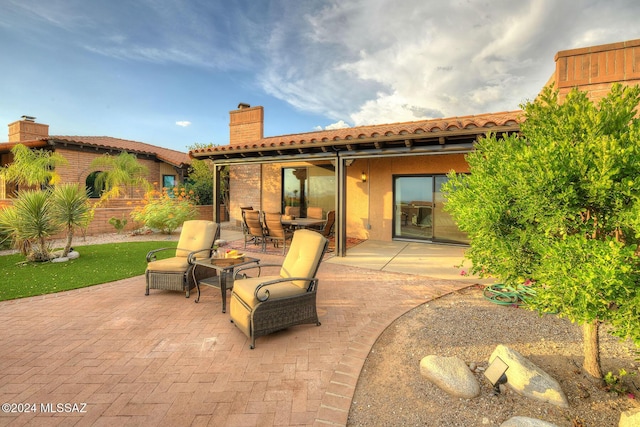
x=163, y=360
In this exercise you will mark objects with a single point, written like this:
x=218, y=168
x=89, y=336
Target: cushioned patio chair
x=255, y=229
x=276, y=231
x=175, y=273
x=268, y=303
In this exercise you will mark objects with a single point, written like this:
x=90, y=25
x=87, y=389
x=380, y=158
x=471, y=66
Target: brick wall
x=596, y=68
x=79, y=167
x=244, y=190
x=120, y=209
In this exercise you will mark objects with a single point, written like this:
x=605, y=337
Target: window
x=168, y=181
x=94, y=190
x=307, y=186
x=419, y=210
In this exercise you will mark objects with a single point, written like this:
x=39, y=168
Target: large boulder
x=630, y=418
x=451, y=375
x=528, y=380
x=526, y=422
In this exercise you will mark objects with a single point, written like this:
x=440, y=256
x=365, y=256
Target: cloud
x=341, y=124
x=382, y=61
x=183, y=123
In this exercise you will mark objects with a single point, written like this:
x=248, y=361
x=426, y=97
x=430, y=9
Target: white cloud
x=183, y=123
x=380, y=61
x=340, y=124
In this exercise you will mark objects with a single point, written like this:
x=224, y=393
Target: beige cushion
x=170, y=264
x=245, y=289
x=304, y=255
x=196, y=235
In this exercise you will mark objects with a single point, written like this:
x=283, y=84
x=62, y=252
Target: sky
x=167, y=72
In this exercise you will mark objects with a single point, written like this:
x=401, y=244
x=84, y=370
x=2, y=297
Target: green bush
x=558, y=207
x=165, y=210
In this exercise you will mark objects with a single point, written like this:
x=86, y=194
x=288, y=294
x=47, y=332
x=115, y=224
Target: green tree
x=559, y=207
x=120, y=172
x=71, y=209
x=32, y=167
x=201, y=179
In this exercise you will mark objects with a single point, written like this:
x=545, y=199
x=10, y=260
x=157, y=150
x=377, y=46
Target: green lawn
x=97, y=264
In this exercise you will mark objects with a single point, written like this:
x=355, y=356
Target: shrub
x=165, y=210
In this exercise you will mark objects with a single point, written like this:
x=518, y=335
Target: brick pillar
x=246, y=124
x=27, y=130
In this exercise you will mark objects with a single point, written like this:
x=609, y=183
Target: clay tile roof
x=481, y=123
x=173, y=157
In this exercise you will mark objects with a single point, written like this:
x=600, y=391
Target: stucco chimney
x=26, y=129
x=246, y=124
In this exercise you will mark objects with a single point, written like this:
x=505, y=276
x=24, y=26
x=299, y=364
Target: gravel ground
x=391, y=391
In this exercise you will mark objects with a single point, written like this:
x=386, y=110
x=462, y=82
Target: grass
x=97, y=264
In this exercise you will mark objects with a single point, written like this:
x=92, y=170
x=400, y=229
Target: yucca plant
x=71, y=209
x=9, y=218
x=31, y=221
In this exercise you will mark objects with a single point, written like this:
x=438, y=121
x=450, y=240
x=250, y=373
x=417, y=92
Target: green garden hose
x=502, y=294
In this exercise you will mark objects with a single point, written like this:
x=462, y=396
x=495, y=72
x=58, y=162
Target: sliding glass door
x=419, y=210
x=308, y=186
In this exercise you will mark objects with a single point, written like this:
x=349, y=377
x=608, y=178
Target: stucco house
x=384, y=181
x=166, y=167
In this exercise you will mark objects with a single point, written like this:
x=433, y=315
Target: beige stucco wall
x=371, y=202
x=368, y=203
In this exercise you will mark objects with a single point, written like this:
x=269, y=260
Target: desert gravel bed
x=391, y=391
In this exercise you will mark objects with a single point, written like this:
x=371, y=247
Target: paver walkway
x=163, y=360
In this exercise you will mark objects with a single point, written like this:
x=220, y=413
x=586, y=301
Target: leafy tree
x=71, y=209
x=201, y=179
x=32, y=167
x=559, y=207
x=120, y=172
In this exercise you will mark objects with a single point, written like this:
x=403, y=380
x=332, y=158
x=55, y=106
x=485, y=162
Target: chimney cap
x=28, y=118
x=243, y=105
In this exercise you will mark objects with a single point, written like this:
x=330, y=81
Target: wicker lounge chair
x=174, y=274
x=265, y=304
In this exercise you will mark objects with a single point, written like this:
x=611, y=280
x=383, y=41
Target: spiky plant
x=71, y=209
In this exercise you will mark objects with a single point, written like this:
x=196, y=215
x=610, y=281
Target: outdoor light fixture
x=364, y=177
x=495, y=373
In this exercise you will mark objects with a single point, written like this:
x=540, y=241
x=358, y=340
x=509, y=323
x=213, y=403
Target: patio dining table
x=302, y=222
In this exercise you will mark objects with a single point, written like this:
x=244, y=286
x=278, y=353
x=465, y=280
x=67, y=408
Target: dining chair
x=275, y=230
x=255, y=229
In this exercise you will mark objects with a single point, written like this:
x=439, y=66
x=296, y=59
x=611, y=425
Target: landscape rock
x=528, y=380
x=73, y=255
x=451, y=375
x=60, y=259
x=630, y=418
x=525, y=422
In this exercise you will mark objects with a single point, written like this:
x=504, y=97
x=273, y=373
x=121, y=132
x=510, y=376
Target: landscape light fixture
x=495, y=373
x=364, y=177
